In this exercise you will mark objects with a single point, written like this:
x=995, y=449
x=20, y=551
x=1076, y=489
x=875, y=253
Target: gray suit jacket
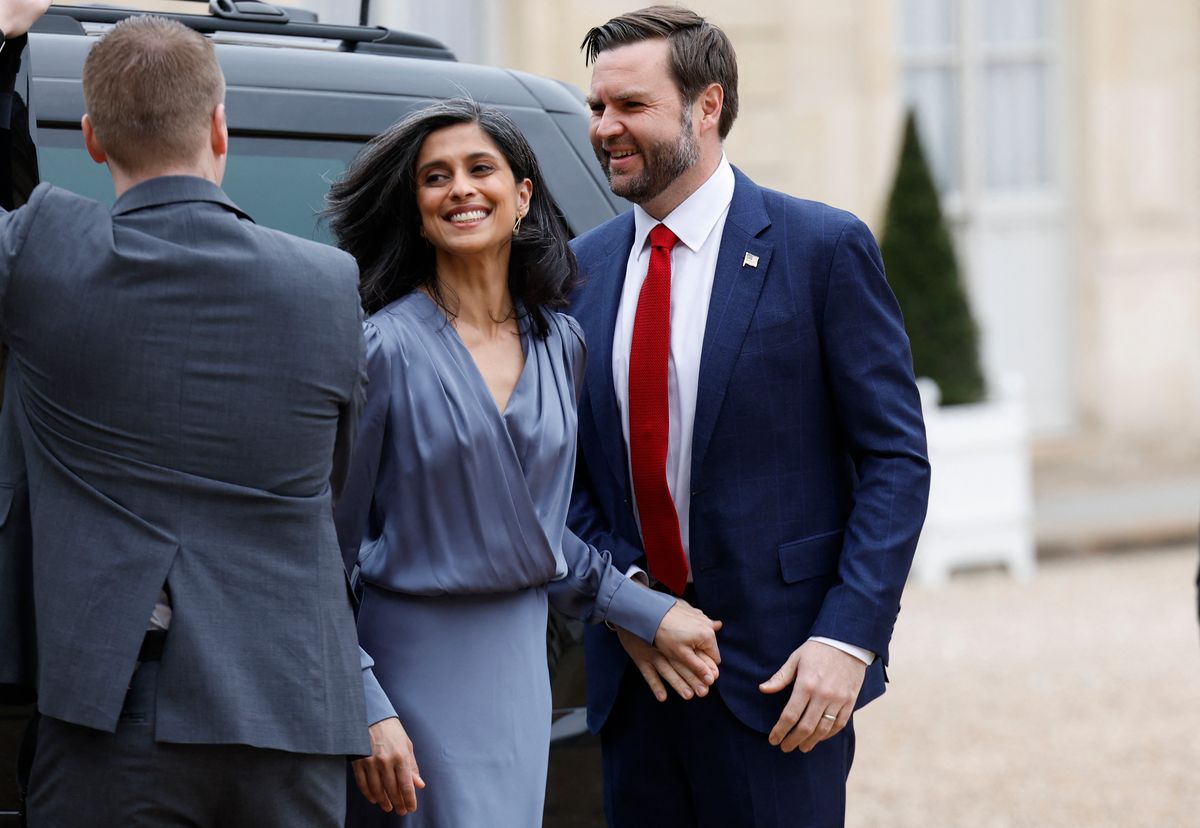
x=186, y=379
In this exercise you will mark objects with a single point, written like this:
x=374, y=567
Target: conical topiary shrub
x=923, y=272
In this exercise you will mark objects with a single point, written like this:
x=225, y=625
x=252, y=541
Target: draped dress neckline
x=479, y=496
x=471, y=367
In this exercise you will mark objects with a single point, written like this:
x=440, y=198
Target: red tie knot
x=661, y=236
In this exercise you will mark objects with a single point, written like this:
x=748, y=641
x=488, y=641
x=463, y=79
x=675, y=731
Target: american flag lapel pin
x=750, y=261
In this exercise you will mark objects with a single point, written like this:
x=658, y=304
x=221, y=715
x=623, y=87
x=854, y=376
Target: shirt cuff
x=638, y=574
x=865, y=656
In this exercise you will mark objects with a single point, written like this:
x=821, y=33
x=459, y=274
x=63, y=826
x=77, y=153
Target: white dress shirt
x=699, y=223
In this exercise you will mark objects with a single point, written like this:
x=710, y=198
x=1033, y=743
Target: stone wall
x=1136, y=79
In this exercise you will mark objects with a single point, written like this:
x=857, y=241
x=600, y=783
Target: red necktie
x=648, y=417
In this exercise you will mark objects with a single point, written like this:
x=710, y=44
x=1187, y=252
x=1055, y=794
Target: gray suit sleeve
x=347, y=425
x=14, y=227
x=357, y=495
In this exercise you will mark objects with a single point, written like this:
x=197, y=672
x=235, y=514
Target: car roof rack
x=256, y=18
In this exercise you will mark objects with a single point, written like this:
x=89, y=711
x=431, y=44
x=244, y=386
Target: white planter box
x=981, y=493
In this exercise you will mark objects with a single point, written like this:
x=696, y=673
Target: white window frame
x=968, y=58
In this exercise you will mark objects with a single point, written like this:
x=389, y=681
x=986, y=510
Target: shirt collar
x=694, y=219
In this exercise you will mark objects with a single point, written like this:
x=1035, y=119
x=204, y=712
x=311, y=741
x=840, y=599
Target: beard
x=662, y=163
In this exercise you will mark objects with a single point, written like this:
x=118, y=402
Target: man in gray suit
x=184, y=394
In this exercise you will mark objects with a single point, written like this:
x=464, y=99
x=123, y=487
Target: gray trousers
x=91, y=779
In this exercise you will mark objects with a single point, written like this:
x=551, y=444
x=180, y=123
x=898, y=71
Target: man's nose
x=607, y=124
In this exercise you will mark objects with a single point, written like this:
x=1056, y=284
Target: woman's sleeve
x=593, y=589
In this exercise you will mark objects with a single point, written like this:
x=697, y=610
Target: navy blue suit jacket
x=809, y=470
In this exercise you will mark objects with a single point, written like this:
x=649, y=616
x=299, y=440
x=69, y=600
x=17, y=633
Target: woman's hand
x=684, y=655
x=389, y=777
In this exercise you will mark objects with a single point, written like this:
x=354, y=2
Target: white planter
x=981, y=493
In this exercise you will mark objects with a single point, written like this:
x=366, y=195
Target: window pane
x=1017, y=153
x=63, y=161
x=1015, y=21
x=933, y=93
x=929, y=23
x=280, y=182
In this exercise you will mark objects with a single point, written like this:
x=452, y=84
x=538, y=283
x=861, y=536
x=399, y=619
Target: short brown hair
x=700, y=52
x=150, y=86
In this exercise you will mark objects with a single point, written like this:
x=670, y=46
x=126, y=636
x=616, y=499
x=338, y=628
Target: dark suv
x=301, y=99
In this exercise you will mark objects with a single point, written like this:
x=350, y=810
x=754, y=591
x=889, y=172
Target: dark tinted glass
x=280, y=182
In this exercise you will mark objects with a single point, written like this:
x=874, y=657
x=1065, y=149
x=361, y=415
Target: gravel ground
x=1073, y=700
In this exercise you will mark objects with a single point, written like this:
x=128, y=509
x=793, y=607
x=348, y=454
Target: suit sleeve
x=355, y=508
x=869, y=368
x=9, y=65
x=593, y=589
x=348, y=417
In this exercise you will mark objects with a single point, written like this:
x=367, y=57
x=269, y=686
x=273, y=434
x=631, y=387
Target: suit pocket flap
x=7, y=494
x=811, y=557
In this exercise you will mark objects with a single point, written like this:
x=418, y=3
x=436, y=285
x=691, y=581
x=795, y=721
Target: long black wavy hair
x=372, y=211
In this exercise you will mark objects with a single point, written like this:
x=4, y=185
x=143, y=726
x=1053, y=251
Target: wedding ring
x=830, y=717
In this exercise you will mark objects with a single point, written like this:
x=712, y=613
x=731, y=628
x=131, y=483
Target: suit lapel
x=603, y=294
x=736, y=288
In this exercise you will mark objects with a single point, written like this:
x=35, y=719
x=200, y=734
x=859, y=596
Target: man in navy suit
x=751, y=438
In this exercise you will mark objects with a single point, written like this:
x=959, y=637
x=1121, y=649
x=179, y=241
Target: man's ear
x=710, y=102
x=219, y=132
x=92, y=142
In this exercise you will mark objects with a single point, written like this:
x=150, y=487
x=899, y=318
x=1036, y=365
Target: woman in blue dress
x=455, y=508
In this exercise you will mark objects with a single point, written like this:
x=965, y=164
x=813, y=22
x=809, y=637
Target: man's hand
x=16, y=16
x=826, y=684
x=389, y=777
x=656, y=669
x=684, y=654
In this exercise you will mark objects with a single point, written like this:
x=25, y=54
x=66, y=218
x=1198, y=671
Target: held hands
x=389, y=777
x=826, y=684
x=16, y=16
x=684, y=654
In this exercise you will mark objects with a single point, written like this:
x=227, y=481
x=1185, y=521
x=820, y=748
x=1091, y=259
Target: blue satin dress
x=455, y=514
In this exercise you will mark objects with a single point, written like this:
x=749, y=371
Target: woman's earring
x=517, y=226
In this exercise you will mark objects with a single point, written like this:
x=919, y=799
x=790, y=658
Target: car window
x=280, y=182
x=64, y=162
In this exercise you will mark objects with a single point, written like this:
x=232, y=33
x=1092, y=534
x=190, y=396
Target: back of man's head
x=150, y=86
x=700, y=52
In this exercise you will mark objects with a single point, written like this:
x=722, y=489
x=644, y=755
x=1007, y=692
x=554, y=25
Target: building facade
x=1065, y=138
